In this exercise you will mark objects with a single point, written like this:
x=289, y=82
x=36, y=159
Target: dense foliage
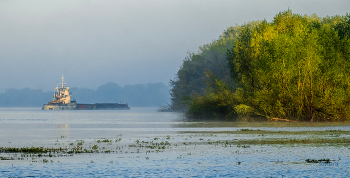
x=295, y=67
x=190, y=80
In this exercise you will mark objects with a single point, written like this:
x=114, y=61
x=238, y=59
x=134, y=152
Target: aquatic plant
x=250, y=130
x=318, y=160
x=106, y=140
x=80, y=143
x=95, y=147
x=6, y=158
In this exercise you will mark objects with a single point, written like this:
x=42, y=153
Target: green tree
x=295, y=67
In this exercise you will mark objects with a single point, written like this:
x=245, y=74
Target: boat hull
x=70, y=106
x=96, y=106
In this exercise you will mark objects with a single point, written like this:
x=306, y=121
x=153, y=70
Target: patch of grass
x=95, y=147
x=106, y=140
x=264, y=132
x=6, y=158
x=243, y=146
x=317, y=161
x=245, y=130
x=80, y=143
x=26, y=150
x=336, y=140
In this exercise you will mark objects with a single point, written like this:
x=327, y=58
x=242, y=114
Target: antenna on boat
x=62, y=81
x=54, y=91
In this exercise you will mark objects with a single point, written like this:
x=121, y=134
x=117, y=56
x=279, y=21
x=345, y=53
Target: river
x=142, y=142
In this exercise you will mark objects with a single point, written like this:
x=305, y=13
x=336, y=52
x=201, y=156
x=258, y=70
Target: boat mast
x=62, y=81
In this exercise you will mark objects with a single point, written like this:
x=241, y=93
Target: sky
x=127, y=42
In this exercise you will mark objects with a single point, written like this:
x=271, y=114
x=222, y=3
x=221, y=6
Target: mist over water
x=140, y=95
x=125, y=42
x=126, y=52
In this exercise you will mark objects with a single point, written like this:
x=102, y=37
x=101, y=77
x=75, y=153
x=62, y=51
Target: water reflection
x=62, y=130
x=215, y=124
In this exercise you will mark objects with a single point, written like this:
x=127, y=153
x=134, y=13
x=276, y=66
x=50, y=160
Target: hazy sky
x=126, y=42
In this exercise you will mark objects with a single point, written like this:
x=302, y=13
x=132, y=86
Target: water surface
x=199, y=149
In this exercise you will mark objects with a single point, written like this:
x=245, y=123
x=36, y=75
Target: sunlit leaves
x=294, y=67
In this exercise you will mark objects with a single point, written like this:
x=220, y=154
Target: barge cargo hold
x=62, y=101
x=102, y=106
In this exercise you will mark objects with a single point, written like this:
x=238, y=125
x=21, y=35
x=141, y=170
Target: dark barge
x=103, y=106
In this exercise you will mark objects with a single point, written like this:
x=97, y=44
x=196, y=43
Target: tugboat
x=62, y=101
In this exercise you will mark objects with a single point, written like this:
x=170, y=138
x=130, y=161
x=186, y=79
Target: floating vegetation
x=294, y=141
x=162, y=143
x=258, y=131
x=6, y=158
x=108, y=151
x=106, y=140
x=80, y=143
x=318, y=160
x=243, y=146
x=31, y=150
x=244, y=130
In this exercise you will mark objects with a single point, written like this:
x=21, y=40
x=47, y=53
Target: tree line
x=190, y=80
x=139, y=95
x=295, y=67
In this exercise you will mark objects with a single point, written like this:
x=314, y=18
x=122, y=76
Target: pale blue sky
x=126, y=42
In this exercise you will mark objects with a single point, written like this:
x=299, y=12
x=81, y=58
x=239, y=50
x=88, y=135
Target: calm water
x=195, y=148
